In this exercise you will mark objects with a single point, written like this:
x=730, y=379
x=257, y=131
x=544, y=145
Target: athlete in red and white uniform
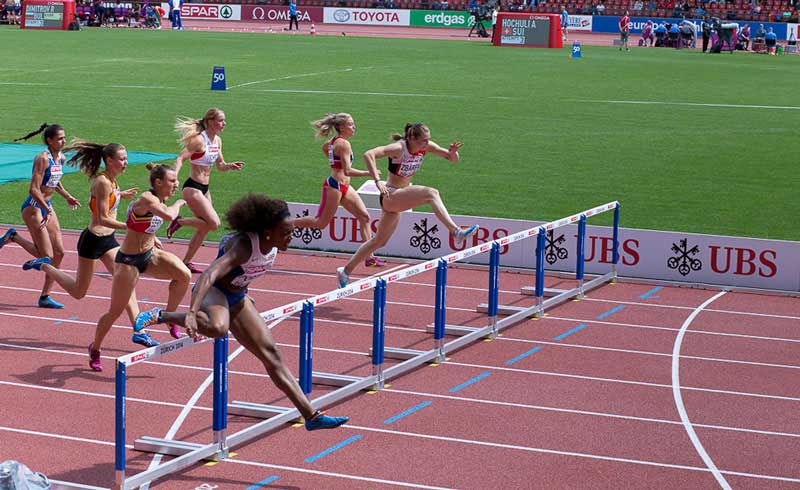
x=336, y=188
x=397, y=194
x=203, y=149
x=141, y=252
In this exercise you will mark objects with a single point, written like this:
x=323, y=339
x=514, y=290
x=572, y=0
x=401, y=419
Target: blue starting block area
x=273, y=417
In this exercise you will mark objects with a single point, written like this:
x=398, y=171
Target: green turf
x=537, y=145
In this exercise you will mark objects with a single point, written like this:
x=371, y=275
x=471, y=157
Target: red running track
x=590, y=409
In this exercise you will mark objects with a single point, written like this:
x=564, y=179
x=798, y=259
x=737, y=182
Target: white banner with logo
x=669, y=256
x=208, y=11
x=580, y=23
x=383, y=17
x=791, y=32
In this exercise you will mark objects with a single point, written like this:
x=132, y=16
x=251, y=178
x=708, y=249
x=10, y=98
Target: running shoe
x=35, y=264
x=174, y=226
x=48, y=302
x=7, y=237
x=462, y=233
x=175, y=330
x=143, y=338
x=147, y=319
x=193, y=268
x=94, y=358
x=322, y=421
x=374, y=262
x=342, y=276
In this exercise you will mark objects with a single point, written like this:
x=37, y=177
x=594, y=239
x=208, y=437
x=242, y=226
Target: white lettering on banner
x=279, y=14
x=208, y=11
x=367, y=16
x=745, y=262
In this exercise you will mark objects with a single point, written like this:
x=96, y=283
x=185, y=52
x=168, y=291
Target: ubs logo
x=341, y=15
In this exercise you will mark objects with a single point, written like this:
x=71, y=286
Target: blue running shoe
x=342, y=276
x=143, y=338
x=36, y=264
x=146, y=319
x=48, y=302
x=462, y=234
x=322, y=421
x=7, y=236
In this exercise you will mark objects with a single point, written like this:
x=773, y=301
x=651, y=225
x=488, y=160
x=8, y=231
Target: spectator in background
x=445, y=5
x=706, y=28
x=638, y=6
x=601, y=9
x=177, y=21
x=293, y=15
x=744, y=37
x=648, y=36
x=760, y=33
x=390, y=4
x=652, y=5
x=624, y=30
x=661, y=35
x=771, y=40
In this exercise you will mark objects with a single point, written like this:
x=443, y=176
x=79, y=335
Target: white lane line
x=290, y=77
x=344, y=92
x=58, y=436
x=337, y=475
x=567, y=453
x=176, y=425
x=676, y=393
x=691, y=104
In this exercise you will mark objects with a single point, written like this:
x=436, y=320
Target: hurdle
x=274, y=417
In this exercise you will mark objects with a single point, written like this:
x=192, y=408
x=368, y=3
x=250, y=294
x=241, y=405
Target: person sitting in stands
x=744, y=37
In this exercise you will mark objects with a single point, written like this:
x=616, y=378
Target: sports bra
x=113, y=199
x=256, y=266
x=408, y=164
x=334, y=160
x=208, y=156
x=149, y=223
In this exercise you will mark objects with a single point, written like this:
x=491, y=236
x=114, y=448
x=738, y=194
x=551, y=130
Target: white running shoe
x=462, y=234
x=342, y=276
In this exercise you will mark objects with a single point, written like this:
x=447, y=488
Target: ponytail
x=89, y=156
x=410, y=131
x=49, y=131
x=188, y=128
x=323, y=127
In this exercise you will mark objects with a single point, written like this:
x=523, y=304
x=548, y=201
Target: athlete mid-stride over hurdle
x=262, y=227
x=398, y=195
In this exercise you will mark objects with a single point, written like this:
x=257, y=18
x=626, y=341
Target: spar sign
x=359, y=16
x=208, y=11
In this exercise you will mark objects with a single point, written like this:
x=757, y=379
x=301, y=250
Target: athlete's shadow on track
x=99, y=474
x=8, y=307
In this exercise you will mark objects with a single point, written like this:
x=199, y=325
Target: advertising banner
x=608, y=24
x=441, y=18
x=673, y=256
x=278, y=13
x=580, y=23
x=791, y=32
x=361, y=16
x=208, y=11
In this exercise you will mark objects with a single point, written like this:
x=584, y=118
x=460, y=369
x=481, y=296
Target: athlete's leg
x=202, y=207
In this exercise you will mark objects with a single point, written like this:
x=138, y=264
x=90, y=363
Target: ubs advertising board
x=528, y=30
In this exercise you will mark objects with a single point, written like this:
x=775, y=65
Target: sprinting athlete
x=398, y=194
x=262, y=227
x=141, y=253
x=37, y=210
x=336, y=188
x=203, y=149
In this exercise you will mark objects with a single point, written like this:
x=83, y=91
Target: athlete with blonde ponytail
x=336, y=188
x=202, y=146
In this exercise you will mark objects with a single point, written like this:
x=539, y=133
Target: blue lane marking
x=610, y=312
x=407, y=412
x=523, y=355
x=263, y=482
x=467, y=383
x=333, y=448
x=570, y=332
x=60, y=322
x=650, y=293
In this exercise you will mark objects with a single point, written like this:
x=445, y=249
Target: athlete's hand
x=191, y=324
x=129, y=193
x=382, y=187
x=46, y=219
x=234, y=165
x=73, y=203
x=455, y=146
x=157, y=243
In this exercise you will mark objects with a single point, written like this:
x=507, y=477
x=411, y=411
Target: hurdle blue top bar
x=369, y=283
